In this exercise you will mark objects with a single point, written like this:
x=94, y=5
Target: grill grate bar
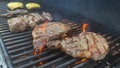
x=67, y=63
x=8, y=34
x=54, y=61
x=19, y=49
x=81, y=64
x=17, y=37
x=5, y=28
x=114, y=41
x=2, y=26
x=30, y=57
x=89, y=64
x=18, y=41
x=19, y=45
x=102, y=30
x=2, y=20
x=4, y=31
x=37, y=61
x=115, y=62
x=23, y=53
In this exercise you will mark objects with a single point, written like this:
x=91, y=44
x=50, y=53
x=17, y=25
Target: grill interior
x=18, y=48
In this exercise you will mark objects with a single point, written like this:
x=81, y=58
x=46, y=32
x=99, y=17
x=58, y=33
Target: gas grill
x=18, y=50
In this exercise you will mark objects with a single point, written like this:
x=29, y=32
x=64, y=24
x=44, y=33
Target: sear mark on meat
x=54, y=30
x=22, y=22
x=86, y=45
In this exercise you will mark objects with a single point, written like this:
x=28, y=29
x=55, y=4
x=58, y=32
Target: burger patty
x=86, y=45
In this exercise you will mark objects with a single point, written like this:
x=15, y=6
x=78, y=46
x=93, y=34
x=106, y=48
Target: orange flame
x=85, y=25
x=41, y=48
x=44, y=25
x=68, y=66
x=41, y=63
x=80, y=61
x=35, y=52
x=43, y=45
x=52, y=66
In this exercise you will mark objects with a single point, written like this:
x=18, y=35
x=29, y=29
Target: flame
x=41, y=48
x=41, y=62
x=43, y=45
x=44, y=25
x=35, y=52
x=80, y=61
x=83, y=60
x=43, y=28
x=85, y=25
x=68, y=66
x=53, y=66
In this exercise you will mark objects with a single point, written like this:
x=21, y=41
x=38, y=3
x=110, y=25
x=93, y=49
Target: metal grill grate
x=20, y=50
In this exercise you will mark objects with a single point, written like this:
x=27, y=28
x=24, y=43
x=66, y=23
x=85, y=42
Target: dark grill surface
x=20, y=50
x=18, y=47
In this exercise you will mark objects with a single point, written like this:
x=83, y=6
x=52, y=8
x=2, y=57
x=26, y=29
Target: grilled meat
x=22, y=22
x=13, y=13
x=32, y=21
x=54, y=30
x=86, y=45
x=54, y=44
x=18, y=11
x=17, y=24
x=46, y=16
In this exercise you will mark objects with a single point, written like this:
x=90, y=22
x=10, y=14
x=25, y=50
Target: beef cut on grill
x=22, y=22
x=54, y=44
x=17, y=24
x=86, y=45
x=54, y=30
